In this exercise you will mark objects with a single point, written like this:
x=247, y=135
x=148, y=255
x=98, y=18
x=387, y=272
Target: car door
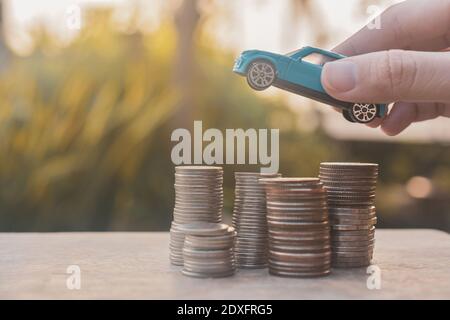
x=305, y=70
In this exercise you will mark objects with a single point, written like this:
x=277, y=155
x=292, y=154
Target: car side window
x=317, y=58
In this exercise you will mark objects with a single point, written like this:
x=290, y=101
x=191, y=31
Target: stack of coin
x=249, y=220
x=351, y=199
x=208, y=250
x=299, y=232
x=198, y=198
x=176, y=244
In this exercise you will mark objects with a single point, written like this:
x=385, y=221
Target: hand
x=404, y=61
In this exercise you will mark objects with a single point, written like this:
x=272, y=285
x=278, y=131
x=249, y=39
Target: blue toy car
x=299, y=72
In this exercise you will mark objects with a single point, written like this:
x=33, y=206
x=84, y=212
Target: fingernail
x=340, y=76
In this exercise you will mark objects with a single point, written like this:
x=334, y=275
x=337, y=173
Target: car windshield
x=318, y=58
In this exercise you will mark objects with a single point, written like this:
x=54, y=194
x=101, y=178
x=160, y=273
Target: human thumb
x=387, y=76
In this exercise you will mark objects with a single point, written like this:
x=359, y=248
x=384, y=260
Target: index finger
x=413, y=25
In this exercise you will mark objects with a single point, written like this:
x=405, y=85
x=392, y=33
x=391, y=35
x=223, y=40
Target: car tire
x=363, y=112
x=261, y=74
x=346, y=114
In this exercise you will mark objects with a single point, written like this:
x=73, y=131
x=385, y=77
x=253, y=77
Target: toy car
x=299, y=72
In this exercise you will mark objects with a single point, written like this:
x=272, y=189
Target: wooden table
x=414, y=264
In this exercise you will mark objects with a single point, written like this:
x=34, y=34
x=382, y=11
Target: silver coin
x=210, y=263
x=249, y=221
x=352, y=255
x=252, y=213
x=350, y=165
x=207, y=208
x=185, y=218
x=357, y=222
x=250, y=209
x=300, y=264
x=349, y=197
x=214, y=184
x=205, y=228
x=198, y=191
x=250, y=265
x=250, y=249
x=319, y=209
x=367, y=210
x=307, y=237
x=198, y=195
x=188, y=221
x=198, y=213
x=283, y=256
x=346, y=174
x=351, y=227
x=346, y=216
x=299, y=225
x=290, y=181
x=176, y=262
x=347, y=180
x=205, y=255
x=182, y=217
x=305, y=217
x=301, y=203
x=297, y=219
x=344, y=188
x=208, y=246
x=352, y=248
x=207, y=270
x=292, y=194
x=332, y=185
x=298, y=274
x=300, y=267
x=344, y=260
x=209, y=275
x=275, y=265
x=350, y=239
x=296, y=248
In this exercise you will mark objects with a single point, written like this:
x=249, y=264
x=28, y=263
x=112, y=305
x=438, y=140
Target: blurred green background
x=85, y=124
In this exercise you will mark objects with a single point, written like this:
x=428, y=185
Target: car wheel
x=347, y=115
x=363, y=112
x=260, y=75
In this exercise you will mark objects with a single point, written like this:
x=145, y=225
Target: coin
x=208, y=250
x=299, y=274
x=349, y=165
x=355, y=264
x=249, y=219
x=351, y=192
x=347, y=227
x=298, y=227
x=344, y=239
x=205, y=228
x=352, y=211
x=198, y=198
x=190, y=273
x=354, y=221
